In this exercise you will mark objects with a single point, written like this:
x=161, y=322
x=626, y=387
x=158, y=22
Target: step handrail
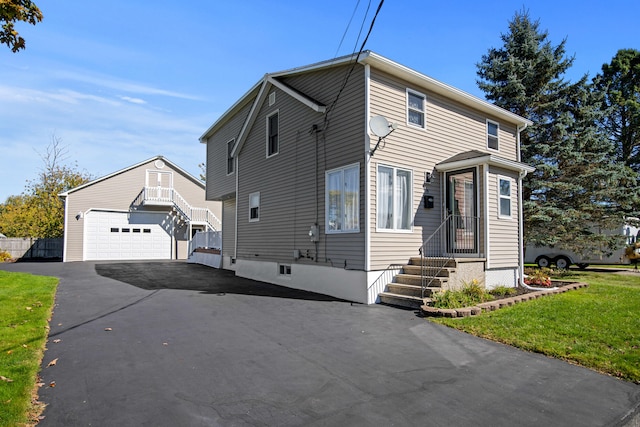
x=434, y=249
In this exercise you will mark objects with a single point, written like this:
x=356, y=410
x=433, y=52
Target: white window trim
x=287, y=270
x=258, y=206
x=267, y=134
x=327, y=229
x=394, y=230
x=497, y=136
x=501, y=197
x=232, y=142
x=424, y=109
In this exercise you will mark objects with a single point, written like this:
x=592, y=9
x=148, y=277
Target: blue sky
x=120, y=81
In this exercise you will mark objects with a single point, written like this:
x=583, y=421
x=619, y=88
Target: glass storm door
x=462, y=210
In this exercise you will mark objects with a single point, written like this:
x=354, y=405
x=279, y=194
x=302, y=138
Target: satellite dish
x=379, y=126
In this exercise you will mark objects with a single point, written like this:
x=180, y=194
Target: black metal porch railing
x=457, y=234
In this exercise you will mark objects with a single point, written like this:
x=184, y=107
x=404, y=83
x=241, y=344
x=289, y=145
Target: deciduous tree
x=12, y=11
x=39, y=211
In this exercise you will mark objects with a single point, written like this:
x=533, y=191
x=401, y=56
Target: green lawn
x=26, y=303
x=597, y=327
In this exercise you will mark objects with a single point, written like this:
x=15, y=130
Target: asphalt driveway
x=176, y=344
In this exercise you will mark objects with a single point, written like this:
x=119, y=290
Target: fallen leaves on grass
x=5, y=379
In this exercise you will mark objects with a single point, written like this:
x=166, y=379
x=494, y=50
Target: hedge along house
x=147, y=211
x=363, y=179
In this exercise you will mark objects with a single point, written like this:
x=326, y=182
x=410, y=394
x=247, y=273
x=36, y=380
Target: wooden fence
x=27, y=248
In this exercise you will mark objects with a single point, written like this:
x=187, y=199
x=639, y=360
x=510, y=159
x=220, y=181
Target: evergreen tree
x=578, y=189
x=620, y=83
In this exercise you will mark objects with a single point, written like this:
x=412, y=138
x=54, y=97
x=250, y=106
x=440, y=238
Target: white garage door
x=127, y=235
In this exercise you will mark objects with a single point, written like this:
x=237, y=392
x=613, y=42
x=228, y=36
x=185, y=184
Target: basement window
x=284, y=269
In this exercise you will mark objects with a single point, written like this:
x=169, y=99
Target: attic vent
x=272, y=98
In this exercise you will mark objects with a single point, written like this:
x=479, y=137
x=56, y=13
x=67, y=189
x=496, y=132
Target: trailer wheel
x=543, y=261
x=582, y=265
x=562, y=262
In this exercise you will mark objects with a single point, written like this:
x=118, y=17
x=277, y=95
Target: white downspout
x=235, y=231
x=367, y=171
x=521, y=176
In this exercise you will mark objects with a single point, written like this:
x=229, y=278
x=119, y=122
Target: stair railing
x=165, y=194
x=433, y=254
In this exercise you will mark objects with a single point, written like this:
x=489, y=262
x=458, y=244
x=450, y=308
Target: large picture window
x=342, y=199
x=394, y=198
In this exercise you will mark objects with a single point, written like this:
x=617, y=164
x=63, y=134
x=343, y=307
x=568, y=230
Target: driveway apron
x=177, y=344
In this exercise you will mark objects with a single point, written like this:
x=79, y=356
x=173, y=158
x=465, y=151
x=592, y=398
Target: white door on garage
x=127, y=235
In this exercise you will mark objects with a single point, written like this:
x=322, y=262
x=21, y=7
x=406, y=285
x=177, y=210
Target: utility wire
x=355, y=61
x=347, y=29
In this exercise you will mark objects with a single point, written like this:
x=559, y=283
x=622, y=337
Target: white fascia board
x=296, y=95
x=251, y=118
x=247, y=97
x=436, y=86
x=488, y=159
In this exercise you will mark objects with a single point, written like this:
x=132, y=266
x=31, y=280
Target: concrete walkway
x=188, y=345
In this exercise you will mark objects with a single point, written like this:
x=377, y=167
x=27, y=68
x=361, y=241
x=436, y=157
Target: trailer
x=545, y=256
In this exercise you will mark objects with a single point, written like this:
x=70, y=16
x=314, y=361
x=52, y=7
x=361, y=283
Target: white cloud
x=133, y=100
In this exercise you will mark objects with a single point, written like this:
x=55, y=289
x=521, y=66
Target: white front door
x=159, y=184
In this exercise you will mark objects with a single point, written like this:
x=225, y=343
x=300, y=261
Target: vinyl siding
x=451, y=128
x=118, y=193
x=229, y=228
x=503, y=233
x=221, y=185
x=291, y=193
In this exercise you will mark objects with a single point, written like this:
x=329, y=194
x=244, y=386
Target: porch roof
x=475, y=158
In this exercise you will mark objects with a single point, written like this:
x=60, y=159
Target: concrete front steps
x=406, y=291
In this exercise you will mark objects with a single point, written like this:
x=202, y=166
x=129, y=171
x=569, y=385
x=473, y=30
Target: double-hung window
x=416, y=108
x=229, y=156
x=273, y=143
x=254, y=207
x=342, y=200
x=492, y=135
x=394, y=198
x=504, y=197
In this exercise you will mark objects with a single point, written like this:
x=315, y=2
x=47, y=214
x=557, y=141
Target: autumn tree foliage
x=39, y=211
x=579, y=188
x=12, y=11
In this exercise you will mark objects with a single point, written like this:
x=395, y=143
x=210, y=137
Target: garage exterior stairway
x=164, y=196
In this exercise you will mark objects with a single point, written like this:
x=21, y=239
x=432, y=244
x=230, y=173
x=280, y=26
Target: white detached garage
x=148, y=211
x=127, y=235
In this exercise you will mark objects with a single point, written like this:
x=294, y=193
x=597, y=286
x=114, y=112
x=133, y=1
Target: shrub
x=503, y=291
x=472, y=293
x=4, y=256
x=538, y=277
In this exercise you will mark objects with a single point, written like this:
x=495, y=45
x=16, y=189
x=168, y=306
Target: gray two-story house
x=363, y=179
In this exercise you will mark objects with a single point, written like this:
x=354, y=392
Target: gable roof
x=476, y=157
x=258, y=92
x=103, y=178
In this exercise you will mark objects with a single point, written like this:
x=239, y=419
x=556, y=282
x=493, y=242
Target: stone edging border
x=498, y=304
